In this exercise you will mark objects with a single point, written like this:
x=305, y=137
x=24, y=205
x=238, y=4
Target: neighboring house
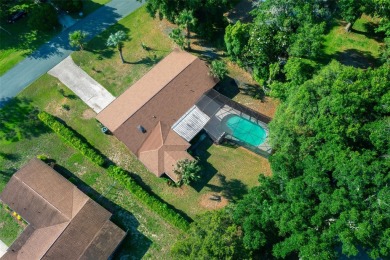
x=160, y=114
x=63, y=222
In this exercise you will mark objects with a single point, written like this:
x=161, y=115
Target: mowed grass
x=359, y=47
x=9, y=227
x=227, y=171
x=148, y=233
x=103, y=63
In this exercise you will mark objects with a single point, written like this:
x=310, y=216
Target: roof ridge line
x=196, y=58
x=48, y=202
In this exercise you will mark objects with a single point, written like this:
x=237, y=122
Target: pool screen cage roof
x=217, y=106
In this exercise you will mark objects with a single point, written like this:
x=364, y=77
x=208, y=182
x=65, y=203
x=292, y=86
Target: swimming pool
x=244, y=130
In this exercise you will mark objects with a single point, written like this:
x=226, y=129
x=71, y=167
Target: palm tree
x=185, y=20
x=116, y=40
x=188, y=170
x=77, y=38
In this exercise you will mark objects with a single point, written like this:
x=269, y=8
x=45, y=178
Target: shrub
x=152, y=202
x=71, y=137
x=218, y=69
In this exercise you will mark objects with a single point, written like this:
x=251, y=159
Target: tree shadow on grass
x=135, y=244
x=18, y=120
x=370, y=33
x=233, y=190
x=13, y=157
x=6, y=174
x=356, y=58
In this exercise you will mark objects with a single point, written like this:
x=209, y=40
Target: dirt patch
x=209, y=201
x=56, y=108
x=89, y=113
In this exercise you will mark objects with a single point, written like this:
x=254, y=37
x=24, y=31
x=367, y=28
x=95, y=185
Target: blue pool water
x=244, y=130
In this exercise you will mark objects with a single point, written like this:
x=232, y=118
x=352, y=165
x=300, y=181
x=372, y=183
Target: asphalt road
x=53, y=52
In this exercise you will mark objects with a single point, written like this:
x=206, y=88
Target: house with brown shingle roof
x=63, y=222
x=143, y=116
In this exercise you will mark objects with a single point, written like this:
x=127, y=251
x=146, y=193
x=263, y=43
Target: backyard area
x=227, y=171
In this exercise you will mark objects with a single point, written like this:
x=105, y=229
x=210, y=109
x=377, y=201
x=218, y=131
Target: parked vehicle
x=16, y=16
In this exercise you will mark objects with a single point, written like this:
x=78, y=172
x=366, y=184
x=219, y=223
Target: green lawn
x=227, y=171
x=360, y=47
x=104, y=64
x=18, y=40
x=9, y=227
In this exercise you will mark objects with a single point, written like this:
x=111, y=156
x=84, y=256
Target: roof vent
x=141, y=129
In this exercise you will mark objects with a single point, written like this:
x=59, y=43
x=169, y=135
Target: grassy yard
x=18, y=40
x=148, y=233
x=228, y=171
x=359, y=48
x=104, y=64
x=9, y=227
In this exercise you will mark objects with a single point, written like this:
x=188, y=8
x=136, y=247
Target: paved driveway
x=53, y=52
x=85, y=87
x=3, y=248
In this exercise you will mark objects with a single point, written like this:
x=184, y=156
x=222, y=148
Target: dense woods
x=329, y=191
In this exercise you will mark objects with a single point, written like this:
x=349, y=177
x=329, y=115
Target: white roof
x=191, y=123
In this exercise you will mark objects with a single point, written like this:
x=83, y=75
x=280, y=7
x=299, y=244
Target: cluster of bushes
x=72, y=138
x=152, y=202
x=114, y=172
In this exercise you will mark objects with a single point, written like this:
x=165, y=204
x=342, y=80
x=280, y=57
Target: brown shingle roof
x=162, y=150
x=63, y=221
x=133, y=99
x=156, y=102
x=181, y=79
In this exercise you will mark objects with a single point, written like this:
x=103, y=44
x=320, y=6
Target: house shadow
x=208, y=171
x=231, y=87
x=135, y=244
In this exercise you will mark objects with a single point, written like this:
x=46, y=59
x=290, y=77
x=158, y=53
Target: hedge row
x=152, y=202
x=72, y=138
x=114, y=172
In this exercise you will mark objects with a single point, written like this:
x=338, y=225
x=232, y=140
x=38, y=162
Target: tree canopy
x=331, y=170
x=212, y=236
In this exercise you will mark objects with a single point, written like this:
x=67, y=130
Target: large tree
x=185, y=19
x=209, y=13
x=331, y=170
x=212, y=236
